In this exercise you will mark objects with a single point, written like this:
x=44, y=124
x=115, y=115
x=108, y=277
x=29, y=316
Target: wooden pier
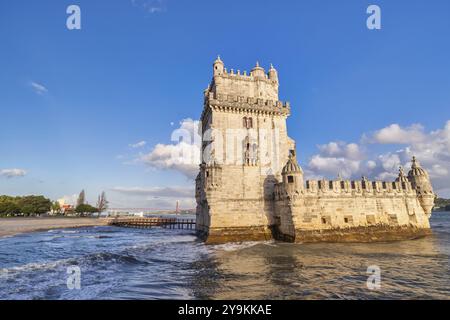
x=147, y=223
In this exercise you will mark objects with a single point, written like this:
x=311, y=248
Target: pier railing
x=146, y=223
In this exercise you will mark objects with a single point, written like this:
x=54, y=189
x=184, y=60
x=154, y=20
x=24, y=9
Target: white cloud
x=341, y=149
x=12, y=173
x=38, y=88
x=137, y=145
x=431, y=148
x=394, y=134
x=332, y=166
x=182, y=155
x=151, y=6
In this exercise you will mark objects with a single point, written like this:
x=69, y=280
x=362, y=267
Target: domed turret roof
x=257, y=67
x=292, y=166
x=416, y=169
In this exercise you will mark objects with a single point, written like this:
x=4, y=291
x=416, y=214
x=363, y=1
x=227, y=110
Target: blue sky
x=73, y=102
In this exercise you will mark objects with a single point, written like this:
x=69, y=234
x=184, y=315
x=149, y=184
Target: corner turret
x=420, y=181
x=258, y=72
x=218, y=67
x=273, y=74
x=292, y=176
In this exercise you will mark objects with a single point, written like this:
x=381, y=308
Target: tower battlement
x=256, y=84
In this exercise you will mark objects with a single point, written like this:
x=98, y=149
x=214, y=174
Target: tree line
x=442, y=204
x=26, y=206
x=38, y=205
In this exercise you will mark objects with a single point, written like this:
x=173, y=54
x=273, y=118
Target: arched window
x=248, y=123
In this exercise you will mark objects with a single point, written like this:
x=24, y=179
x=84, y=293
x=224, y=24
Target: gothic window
x=248, y=123
x=290, y=179
x=384, y=185
x=342, y=185
x=330, y=185
x=353, y=185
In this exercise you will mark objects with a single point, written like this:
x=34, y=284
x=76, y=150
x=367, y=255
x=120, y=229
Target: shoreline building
x=251, y=187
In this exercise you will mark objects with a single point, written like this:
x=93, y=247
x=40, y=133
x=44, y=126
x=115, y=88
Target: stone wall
x=349, y=205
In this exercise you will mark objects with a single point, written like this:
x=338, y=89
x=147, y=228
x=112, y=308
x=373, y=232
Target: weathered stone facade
x=250, y=186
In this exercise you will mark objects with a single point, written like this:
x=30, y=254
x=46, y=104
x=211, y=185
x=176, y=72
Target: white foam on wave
x=30, y=267
x=235, y=246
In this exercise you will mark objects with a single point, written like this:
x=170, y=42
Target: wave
x=235, y=246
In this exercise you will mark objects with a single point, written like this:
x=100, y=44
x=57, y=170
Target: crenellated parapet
x=250, y=77
x=358, y=187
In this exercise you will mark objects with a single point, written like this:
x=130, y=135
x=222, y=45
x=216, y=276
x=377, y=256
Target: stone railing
x=233, y=101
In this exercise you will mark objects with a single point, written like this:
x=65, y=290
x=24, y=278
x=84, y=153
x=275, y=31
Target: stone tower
x=251, y=187
x=245, y=146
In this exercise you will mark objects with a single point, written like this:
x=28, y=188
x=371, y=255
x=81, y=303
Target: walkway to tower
x=147, y=223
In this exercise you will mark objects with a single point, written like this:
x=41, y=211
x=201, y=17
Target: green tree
x=34, y=205
x=9, y=208
x=84, y=209
x=28, y=205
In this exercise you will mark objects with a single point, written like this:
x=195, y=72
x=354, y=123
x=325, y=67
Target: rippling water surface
x=118, y=263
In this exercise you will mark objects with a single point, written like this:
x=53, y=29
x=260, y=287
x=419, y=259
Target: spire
x=415, y=164
x=257, y=63
x=401, y=175
x=416, y=169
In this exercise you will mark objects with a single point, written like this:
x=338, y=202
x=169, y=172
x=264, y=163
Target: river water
x=117, y=263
